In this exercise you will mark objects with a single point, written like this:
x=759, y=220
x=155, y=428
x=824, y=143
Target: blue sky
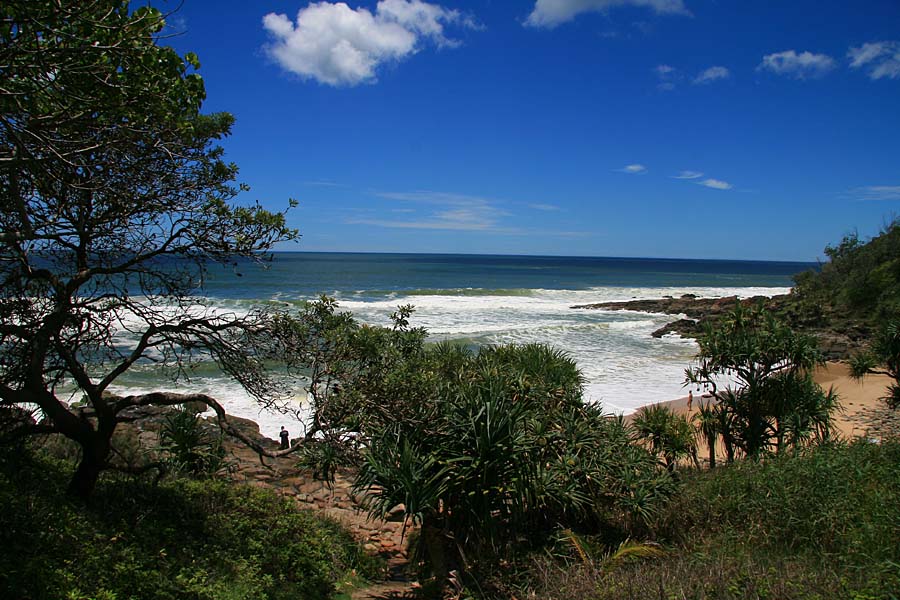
x=656, y=128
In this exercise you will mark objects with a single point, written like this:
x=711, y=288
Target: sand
x=862, y=415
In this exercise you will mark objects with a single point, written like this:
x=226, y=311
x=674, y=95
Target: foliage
x=181, y=539
x=882, y=357
x=115, y=202
x=669, y=435
x=188, y=448
x=488, y=451
x=502, y=452
x=814, y=525
x=775, y=404
x=861, y=279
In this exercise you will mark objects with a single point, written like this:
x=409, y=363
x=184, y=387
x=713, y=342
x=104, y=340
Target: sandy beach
x=862, y=415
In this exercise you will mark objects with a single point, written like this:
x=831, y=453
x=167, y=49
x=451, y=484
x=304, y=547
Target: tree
x=669, y=434
x=502, y=451
x=486, y=450
x=707, y=422
x=882, y=358
x=775, y=403
x=116, y=201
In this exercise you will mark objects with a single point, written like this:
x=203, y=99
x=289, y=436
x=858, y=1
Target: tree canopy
x=116, y=199
x=861, y=280
x=770, y=400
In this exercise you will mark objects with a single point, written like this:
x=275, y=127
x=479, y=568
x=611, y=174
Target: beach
x=862, y=414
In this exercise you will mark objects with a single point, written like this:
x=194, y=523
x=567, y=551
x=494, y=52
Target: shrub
x=182, y=539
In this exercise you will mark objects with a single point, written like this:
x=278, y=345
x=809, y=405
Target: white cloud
x=716, y=184
x=688, y=175
x=550, y=13
x=880, y=59
x=455, y=212
x=544, y=207
x=668, y=76
x=712, y=74
x=876, y=192
x=340, y=46
x=799, y=66
x=634, y=169
x=323, y=183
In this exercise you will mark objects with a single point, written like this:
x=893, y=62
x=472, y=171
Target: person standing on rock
x=285, y=438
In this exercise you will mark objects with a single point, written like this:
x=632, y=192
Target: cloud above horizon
x=688, y=175
x=458, y=212
x=803, y=65
x=339, y=46
x=712, y=74
x=551, y=13
x=716, y=184
x=668, y=76
x=544, y=207
x=876, y=192
x=454, y=212
x=880, y=59
x=634, y=169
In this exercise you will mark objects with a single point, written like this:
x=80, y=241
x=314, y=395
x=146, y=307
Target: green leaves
x=670, y=435
x=497, y=448
x=882, y=357
x=116, y=199
x=775, y=403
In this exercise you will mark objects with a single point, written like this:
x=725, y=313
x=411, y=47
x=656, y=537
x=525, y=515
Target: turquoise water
x=496, y=299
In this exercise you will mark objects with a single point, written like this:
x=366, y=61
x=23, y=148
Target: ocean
x=480, y=300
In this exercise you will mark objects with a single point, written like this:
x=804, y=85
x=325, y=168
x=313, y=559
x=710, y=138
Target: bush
x=182, y=539
x=820, y=525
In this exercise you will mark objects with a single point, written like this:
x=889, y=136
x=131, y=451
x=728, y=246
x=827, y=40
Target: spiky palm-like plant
x=669, y=435
x=882, y=358
x=706, y=420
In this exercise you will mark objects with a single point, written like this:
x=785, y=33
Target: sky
x=647, y=128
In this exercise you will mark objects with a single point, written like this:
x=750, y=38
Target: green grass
x=180, y=539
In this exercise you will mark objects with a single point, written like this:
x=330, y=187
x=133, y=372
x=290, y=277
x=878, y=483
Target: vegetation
x=861, y=281
x=488, y=451
x=669, y=435
x=883, y=358
x=775, y=404
x=115, y=201
x=818, y=524
x=180, y=539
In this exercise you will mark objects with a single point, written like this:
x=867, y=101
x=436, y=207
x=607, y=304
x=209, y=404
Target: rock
x=195, y=407
x=684, y=327
x=396, y=514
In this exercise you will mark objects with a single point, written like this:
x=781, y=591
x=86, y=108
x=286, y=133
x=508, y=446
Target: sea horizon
x=815, y=263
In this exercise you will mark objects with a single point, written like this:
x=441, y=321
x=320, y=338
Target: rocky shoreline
x=836, y=340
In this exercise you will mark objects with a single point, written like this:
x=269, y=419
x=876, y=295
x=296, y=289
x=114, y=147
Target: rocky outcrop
x=838, y=338
x=698, y=311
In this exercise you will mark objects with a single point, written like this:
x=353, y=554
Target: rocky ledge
x=837, y=340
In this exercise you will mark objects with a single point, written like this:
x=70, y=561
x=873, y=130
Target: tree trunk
x=729, y=451
x=94, y=452
x=440, y=556
x=85, y=477
x=711, y=442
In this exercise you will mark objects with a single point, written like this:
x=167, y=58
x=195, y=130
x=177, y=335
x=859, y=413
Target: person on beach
x=285, y=438
x=690, y=399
